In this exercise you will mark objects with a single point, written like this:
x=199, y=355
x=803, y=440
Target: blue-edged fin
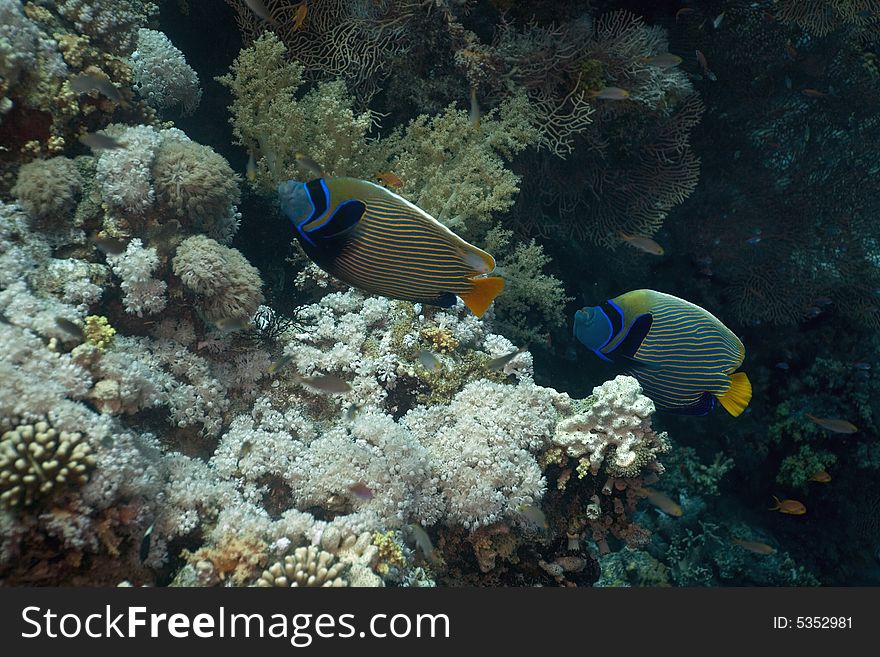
x=703, y=405
x=344, y=218
x=445, y=300
x=481, y=295
x=738, y=395
x=634, y=337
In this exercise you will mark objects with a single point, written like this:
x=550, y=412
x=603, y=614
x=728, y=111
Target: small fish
x=251, y=168
x=259, y=8
x=663, y=502
x=474, y=113
x=820, y=476
x=823, y=301
x=422, y=541
x=70, y=328
x=499, y=362
x=324, y=383
x=109, y=245
x=280, y=364
x=308, y=165
x=813, y=93
x=351, y=413
x=754, y=546
x=229, y=324
x=98, y=141
x=788, y=83
x=390, y=180
x=754, y=239
x=429, y=361
x=834, y=425
x=610, y=93
x=716, y=22
x=361, y=491
x=701, y=60
x=144, y=551
x=791, y=52
x=664, y=60
x=642, y=243
x=782, y=365
x=791, y=507
x=768, y=16
x=299, y=16
x=534, y=515
x=86, y=82
x=864, y=367
x=684, y=11
x=812, y=312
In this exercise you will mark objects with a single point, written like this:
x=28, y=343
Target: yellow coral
x=441, y=339
x=98, y=331
x=390, y=552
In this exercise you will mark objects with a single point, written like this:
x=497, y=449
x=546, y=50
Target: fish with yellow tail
x=663, y=502
x=791, y=507
x=754, y=546
x=374, y=240
x=683, y=356
x=833, y=424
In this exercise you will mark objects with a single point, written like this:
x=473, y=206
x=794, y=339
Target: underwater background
x=187, y=398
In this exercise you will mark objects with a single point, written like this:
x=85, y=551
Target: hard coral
x=307, y=566
x=36, y=459
x=227, y=285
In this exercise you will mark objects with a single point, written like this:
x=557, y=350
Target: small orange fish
x=663, y=502
x=299, y=15
x=754, y=546
x=813, y=93
x=834, y=425
x=684, y=11
x=642, y=243
x=701, y=60
x=361, y=491
x=390, y=179
x=610, y=93
x=792, y=507
x=820, y=476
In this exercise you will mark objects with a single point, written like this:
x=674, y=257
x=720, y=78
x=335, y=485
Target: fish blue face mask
x=593, y=328
x=301, y=202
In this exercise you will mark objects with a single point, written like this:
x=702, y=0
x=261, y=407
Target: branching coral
x=614, y=433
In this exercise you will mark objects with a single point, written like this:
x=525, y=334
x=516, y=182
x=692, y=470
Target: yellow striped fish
x=681, y=354
x=377, y=241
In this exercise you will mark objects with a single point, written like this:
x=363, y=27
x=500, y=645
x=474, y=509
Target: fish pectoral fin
x=483, y=292
x=738, y=395
x=344, y=218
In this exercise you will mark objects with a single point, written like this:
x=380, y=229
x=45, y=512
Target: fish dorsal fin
x=484, y=291
x=634, y=337
x=338, y=223
x=738, y=395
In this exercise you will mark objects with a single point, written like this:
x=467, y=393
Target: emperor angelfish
x=681, y=354
x=377, y=241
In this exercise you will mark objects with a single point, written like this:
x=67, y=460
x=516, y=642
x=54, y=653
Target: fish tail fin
x=484, y=291
x=738, y=395
x=776, y=502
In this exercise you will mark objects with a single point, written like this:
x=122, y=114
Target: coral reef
x=161, y=75
x=307, y=566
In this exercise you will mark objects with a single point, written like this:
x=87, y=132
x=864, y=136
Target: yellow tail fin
x=738, y=395
x=481, y=295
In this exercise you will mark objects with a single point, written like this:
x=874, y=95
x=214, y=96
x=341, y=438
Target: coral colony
x=175, y=411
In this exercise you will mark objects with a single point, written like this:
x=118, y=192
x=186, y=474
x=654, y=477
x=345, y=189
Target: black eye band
x=612, y=312
x=318, y=194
